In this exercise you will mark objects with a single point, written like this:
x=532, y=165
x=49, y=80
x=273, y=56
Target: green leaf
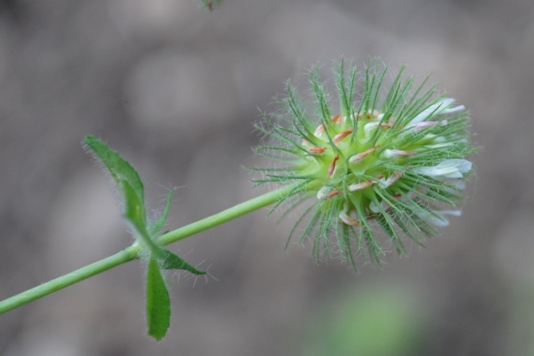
x=156, y=226
x=119, y=169
x=173, y=261
x=133, y=213
x=158, y=305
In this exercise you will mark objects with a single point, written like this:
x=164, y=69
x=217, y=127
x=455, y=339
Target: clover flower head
x=388, y=158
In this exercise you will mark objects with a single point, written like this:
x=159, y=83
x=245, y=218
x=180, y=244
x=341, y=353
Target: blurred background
x=176, y=89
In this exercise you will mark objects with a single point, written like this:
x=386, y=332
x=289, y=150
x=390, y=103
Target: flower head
x=384, y=158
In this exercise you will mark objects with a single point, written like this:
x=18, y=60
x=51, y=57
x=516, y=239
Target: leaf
x=173, y=261
x=156, y=226
x=168, y=259
x=158, y=305
x=119, y=169
x=133, y=213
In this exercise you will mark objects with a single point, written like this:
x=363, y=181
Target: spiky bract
x=389, y=158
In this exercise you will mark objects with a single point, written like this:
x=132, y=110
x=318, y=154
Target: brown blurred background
x=176, y=90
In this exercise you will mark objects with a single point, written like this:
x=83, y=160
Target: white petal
x=343, y=216
x=418, y=126
x=360, y=186
x=397, y=153
x=454, y=109
x=449, y=168
x=319, y=131
x=440, y=218
x=442, y=106
x=440, y=145
x=451, y=212
x=458, y=184
x=323, y=192
x=464, y=165
x=460, y=165
x=369, y=127
x=385, y=183
x=361, y=155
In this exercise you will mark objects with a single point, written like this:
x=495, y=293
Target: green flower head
x=376, y=157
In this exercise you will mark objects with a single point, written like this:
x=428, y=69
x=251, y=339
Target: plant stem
x=225, y=215
x=66, y=280
x=132, y=252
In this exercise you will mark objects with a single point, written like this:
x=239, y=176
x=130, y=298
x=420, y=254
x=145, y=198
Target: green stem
x=225, y=215
x=66, y=280
x=132, y=252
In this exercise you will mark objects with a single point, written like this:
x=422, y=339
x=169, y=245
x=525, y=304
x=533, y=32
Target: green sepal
x=170, y=260
x=158, y=304
x=156, y=226
x=119, y=169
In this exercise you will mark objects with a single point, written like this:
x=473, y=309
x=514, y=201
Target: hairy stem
x=66, y=280
x=225, y=215
x=132, y=252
